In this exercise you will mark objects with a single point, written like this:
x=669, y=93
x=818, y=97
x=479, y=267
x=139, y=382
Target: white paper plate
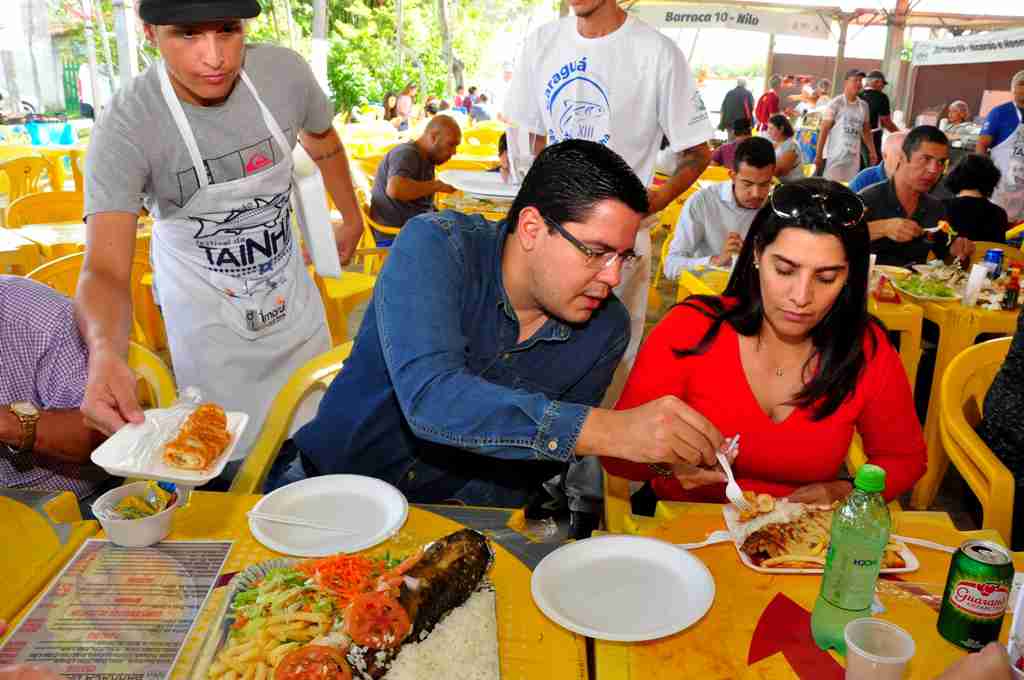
x=111, y=454
x=372, y=509
x=479, y=183
x=603, y=587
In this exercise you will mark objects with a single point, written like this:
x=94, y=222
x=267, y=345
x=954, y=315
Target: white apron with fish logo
x=1008, y=156
x=242, y=312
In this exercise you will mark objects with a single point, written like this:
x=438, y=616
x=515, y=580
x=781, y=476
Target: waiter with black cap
x=879, y=111
x=203, y=140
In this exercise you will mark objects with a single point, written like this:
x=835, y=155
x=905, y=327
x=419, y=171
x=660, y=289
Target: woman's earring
x=757, y=265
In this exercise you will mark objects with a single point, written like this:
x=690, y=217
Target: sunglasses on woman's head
x=794, y=202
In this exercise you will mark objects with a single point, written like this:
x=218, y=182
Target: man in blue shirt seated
x=892, y=149
x=486, y=348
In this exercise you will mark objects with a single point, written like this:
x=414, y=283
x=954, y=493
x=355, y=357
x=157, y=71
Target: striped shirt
x=43, y=360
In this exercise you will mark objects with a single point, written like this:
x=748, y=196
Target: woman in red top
x=788, y=358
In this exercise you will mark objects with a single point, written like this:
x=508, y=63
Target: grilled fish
x=443, y=577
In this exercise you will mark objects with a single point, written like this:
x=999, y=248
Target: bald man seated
x=892, y=151
x=405, y=186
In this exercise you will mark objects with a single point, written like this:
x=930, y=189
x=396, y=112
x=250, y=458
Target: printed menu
x=118, y=613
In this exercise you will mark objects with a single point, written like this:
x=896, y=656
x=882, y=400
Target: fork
x=732, y=489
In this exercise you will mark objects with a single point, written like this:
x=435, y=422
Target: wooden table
x=530, y=645
x=759, y=624
x=904, y=318
x=959, y=327
x=18, y=255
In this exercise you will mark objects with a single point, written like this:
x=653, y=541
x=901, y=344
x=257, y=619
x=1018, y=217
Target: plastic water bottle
x=860, y=531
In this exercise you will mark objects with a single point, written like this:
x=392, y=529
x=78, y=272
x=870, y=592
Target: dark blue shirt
x=438, y=397
x=1001, y=122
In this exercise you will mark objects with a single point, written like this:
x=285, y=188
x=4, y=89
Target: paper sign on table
x=118, y=613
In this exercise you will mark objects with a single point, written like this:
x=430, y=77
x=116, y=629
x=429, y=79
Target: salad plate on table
x=927, y=289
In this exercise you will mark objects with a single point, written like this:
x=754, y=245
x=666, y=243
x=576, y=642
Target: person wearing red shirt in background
x=788, y=358
x=768, y=104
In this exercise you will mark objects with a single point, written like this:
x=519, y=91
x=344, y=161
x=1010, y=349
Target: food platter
x=136, y=451
x=370, y=509
x=903, y=287
x=601, y=587
x=385, y=617
x=736, y=529
x=479, y=183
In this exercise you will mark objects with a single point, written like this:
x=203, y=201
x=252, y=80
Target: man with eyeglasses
x=486, y=349
x=900, y=210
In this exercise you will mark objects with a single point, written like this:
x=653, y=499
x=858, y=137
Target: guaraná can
x=994, y=261
x=977, y=590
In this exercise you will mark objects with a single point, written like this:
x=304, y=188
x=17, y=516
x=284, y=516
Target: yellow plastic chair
x=478, y=150
x=617, y=505
x=492, y=124
x=24, y=175
x=1014, y=232
x=62, y=273
x=45, y=207
x=479, y=135
x=156, y=387
x=964, y=386
x=713, y=174
x=21, y=261
x=1010, y=254
x=78, y=169
x=317, y=374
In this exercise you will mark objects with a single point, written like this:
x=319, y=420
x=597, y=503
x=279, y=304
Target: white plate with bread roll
x=166, y=449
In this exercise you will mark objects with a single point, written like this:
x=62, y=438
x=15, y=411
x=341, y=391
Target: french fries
x=257, y=657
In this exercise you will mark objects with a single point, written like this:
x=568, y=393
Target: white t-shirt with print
x=625, y=89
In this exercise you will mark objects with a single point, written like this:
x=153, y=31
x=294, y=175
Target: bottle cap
x=870, y=478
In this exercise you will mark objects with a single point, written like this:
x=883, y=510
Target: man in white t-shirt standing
x=608, y=77
x=845, y=125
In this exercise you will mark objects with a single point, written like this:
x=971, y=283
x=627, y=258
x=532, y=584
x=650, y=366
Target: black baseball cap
x=876, y=74
x=854, y=73
x=164, y=12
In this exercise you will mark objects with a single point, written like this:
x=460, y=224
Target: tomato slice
x=313, y=662
x=377, y=620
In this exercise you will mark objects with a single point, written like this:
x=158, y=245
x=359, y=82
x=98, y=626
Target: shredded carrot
x=345, y=576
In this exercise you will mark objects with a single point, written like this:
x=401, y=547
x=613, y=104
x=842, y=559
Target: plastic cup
x=876, y=650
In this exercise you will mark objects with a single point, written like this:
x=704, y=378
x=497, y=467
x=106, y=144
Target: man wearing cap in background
x=1002, y=135
x=203, y=140
x=845, y=126
x=879, y=112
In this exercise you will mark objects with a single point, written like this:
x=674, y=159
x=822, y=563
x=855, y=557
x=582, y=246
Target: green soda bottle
x=860, y=531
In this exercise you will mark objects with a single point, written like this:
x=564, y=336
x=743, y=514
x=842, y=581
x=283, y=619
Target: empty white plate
x=371, y=509
x=626, y=588
x=479, y=183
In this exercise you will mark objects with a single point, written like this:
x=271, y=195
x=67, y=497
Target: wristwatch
x=28, y=415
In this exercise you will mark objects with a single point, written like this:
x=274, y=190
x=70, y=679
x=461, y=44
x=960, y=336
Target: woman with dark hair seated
x=788, y=358
x=970, y=212
x=789, y=162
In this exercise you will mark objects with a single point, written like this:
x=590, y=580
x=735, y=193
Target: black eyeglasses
x=595, y=259
x=794, y=201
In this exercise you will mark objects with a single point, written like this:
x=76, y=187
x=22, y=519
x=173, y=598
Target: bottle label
x=849, y=579
x=979, y=599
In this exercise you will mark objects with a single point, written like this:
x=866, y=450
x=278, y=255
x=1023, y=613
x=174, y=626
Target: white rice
x=464, y=646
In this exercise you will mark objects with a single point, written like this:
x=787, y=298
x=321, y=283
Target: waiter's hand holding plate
x=111, y=401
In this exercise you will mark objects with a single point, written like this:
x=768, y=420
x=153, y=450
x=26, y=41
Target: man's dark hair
x=775, y=81
x=974, y=172
x=472, y=89
x=781, y=122
x=757, y=152
x=920, y=135
x=567, y=180
x=741, y=126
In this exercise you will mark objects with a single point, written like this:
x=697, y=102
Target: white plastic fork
x=732, y=490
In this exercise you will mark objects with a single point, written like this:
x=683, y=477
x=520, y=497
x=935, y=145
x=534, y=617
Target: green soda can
x=977, y=590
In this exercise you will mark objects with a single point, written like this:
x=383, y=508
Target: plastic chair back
x=62, y=274
x=713, y=174
x=482, y=136
x=46, y=207
x=317, y=374
x=24, y=175
x=154, y=373
x=961, y=400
